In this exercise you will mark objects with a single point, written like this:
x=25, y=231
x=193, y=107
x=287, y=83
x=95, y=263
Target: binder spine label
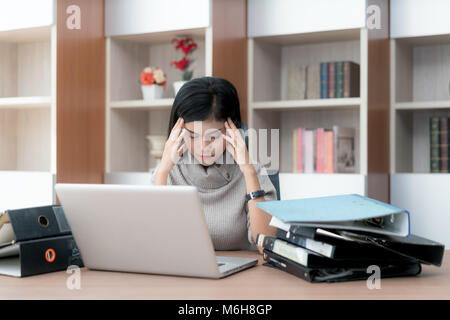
x=319, y=247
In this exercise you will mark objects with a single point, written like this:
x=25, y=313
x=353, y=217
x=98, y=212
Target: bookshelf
x=420, y=68
x=130, y=118
x=132, y=44
x=27, y=114
x=270, y=54
x=420, y=89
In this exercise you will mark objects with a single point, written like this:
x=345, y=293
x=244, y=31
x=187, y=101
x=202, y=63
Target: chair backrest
x=273, y=175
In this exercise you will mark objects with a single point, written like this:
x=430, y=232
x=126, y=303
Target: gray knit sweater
x=222, y=192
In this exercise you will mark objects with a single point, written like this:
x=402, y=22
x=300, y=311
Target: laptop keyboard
x=220, y=264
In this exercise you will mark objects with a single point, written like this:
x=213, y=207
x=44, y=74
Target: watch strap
x=255, y=194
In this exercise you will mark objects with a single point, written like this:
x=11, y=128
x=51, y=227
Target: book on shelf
x=434, y=144
x=350, y=83
x=338, y=79
x=296, y=83
x=313, y=86
x=308, y=147
x=320, y=134
x=329, y=152
x=297, y=148
x=323, y=80
x=344, y=145
x=443, y=144
x=323, y=150
x=439, y=145
x=333, y=79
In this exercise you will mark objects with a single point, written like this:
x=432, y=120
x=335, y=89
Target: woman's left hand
x=236, y=145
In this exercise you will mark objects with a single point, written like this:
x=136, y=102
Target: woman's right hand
x=172, y=149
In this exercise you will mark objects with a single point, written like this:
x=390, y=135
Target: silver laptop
x=145, y=229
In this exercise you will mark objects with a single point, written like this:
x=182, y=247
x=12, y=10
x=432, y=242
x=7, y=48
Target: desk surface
x=259, y=282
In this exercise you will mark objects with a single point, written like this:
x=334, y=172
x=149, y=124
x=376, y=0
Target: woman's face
x=204, y=139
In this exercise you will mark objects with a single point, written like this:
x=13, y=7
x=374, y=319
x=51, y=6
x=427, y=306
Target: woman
x=206, y=149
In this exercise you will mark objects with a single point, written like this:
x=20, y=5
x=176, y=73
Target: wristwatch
x=255, y=194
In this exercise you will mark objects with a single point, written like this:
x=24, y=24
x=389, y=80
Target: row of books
x=36, y=240
x=439, y=144
x=329, y=250
x=324, y=150
x=335, y=79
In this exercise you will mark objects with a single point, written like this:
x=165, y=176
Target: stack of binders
x=343, y=238
x=35, y=241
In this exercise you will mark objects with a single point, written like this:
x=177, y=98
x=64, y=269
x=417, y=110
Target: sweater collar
x=207, y=177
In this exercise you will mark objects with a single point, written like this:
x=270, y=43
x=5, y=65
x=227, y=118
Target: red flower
x=147, y=78
x=180, y=42
x=188, y=48
x=182, y=64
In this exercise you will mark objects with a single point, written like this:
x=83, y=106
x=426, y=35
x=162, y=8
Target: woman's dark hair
x=206, y=98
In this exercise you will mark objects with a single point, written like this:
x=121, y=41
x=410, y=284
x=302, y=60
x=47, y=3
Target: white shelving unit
x=27, y=110
x=271, y=49
x=420, y=89
x=137, y=36
x=130, y=118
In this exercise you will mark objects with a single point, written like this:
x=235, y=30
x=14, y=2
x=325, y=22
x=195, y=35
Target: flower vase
x=156, y=147
x=177, y=85
x=152, y=92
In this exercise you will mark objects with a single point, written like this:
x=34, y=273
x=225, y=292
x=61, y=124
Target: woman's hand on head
x=236, y=145
x=174, y=148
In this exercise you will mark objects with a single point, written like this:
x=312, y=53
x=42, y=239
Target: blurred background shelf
x=25, y=102
x=135, y=40
x=282, y=36
x=420, y=89
x=331, y=103
x=159, y=104
x=422, y=105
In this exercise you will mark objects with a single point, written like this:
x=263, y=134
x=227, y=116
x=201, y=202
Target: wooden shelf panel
x=308, y=104
x=25, y=102
x=159, y=104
